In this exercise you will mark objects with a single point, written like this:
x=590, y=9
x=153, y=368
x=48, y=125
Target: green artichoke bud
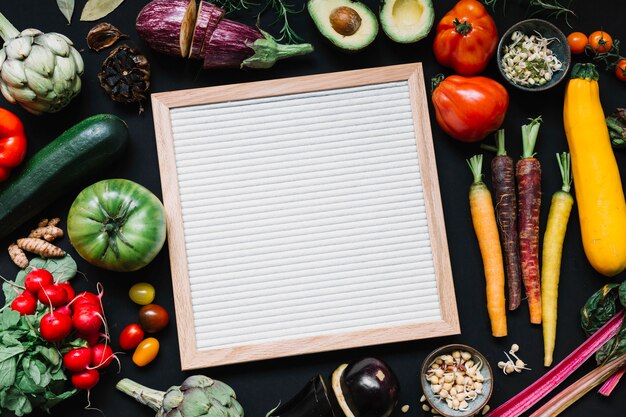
x=197, y=396
x=39, y=71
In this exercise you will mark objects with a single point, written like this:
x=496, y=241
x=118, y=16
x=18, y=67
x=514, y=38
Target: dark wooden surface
x=261, y=385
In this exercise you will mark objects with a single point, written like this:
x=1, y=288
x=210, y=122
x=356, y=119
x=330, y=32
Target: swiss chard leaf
x=599, y=308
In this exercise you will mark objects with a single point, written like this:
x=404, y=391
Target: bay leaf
x=67, y=8
x=97, y=9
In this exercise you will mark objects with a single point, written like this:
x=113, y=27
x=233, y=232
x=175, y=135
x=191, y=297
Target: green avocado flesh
x=407, y=21
x=349, y=25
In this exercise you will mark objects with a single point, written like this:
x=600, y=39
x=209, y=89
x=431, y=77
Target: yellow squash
x=597, y=182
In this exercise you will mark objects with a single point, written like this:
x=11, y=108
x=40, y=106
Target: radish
x=25, y=304
x=86, y=298
x=68, y=289
x=92, y=339
x=64, y=310
x=86, y=379
x=55, y=327
x=87, y=318
x=209, y=15
x=102, y=356
x=53, y=295
x=78, y=359
x=37, y=279
x=173, y=27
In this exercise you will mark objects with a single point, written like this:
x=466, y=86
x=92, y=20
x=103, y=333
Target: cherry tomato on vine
x=600, y=41
x=131, y=336
x=147, y=350
x=142, y=293
x=153, y=318
x=577, y=42
x=620, y=69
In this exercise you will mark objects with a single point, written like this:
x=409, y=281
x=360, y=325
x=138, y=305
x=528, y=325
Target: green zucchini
x=82, y=150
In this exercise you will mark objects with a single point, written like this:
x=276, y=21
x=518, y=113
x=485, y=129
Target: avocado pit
x=345, y=20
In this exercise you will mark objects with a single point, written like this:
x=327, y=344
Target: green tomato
x=142, y=293
x=117, y=225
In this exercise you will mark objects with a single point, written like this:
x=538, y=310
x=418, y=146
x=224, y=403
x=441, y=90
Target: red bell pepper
x=12, y=143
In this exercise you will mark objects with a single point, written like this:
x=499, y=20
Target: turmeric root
x=18, y=256
x=40, y=247
x=48, y=232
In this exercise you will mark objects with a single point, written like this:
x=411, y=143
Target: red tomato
x=466, y=38
x=577, y=42
x=600, y=41
x=153, y=318
x=147, y=350
x=131, y=336
x=620, y=69
x=470, y=108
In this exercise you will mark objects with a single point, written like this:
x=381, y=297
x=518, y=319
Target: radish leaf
x=67, y=8
x=97, y=9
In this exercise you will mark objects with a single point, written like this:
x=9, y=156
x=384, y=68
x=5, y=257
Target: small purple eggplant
x=311, y=401
x=367, y=388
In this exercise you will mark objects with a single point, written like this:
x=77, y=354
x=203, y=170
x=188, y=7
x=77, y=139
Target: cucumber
x=85, y=148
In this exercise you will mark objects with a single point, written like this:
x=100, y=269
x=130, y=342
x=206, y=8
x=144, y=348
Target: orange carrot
x=528, y=174
x=484, y=220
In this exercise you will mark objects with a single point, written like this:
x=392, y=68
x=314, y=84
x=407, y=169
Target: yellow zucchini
x=597, y=182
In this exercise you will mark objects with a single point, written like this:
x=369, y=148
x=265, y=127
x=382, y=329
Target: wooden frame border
x=162, y=103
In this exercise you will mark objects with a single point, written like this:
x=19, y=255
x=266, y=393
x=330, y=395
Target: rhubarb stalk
x=517, y=405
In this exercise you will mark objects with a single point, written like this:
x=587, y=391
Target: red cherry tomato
x=147, y=350
x=600, y=41
x=131, y=336
x=37, y=279
x=25, y=304
x=52, y=295
x=620, y=69
x=153, y=318
x=577, y=42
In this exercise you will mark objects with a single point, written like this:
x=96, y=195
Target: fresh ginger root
x=40, y=247
x=18, y=256
x=47, y=230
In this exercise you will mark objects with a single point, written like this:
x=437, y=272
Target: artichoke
x=197, y=396
x=40, y=71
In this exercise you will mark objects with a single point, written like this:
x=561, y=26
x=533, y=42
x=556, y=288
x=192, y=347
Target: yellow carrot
x=484, y=220
x=560, y=209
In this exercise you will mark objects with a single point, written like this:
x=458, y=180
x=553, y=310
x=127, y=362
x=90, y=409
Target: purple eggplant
x=176, y=27
x=367, y=388
x=311, y=401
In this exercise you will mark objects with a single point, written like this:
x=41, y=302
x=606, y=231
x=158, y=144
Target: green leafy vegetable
x=67, y=8
x=97, y=9
x=553, y=8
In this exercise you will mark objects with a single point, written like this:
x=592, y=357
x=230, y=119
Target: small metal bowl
x=559, y=46
x=439, y=405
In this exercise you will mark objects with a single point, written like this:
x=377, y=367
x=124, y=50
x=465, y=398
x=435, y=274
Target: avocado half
x=349, y=25
x=407, y=21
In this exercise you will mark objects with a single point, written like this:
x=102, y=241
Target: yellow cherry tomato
x=142, y=293
x=146, y=351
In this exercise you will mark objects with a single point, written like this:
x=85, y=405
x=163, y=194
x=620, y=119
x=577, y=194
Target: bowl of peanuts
x=457, y=381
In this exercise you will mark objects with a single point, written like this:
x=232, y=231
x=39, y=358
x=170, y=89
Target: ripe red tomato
x=577, y=42
x=469, y=108
x=153, y=318
x=600, y=41
x=620, y=69
x=147, y=350
x=131, y=336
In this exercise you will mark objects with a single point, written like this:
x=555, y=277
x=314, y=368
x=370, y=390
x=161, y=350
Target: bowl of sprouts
x=534, y=55
x=456, y=381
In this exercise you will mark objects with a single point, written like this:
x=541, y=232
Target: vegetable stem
x=146, y=396
x=476, y=166
x=563, y=160
x=529, y=137
x=7, y=30
x=267, y=51
x=610, y=384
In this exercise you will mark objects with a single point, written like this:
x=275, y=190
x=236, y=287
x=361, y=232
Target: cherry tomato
x=577, y=42
x=153, y=318
x=142, y=293
x=86, y=379
x=131, y=336
x=147, y=350
x=620, y=69
x=600, y=41
x=36, y=279
x=24, y=303
x=52, y=295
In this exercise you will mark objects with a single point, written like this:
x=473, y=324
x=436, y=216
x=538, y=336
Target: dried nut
x=405, y=408
x=448, y=377
x=485, y=409
x=443, y=394
x=439, y=373
x=453, y=392
x=423, y=397
x=436, y=389
x=447, y=386
x=345, y=20
x=433, y=379
x=460, y=379
x=425, y=408
x=449, y=360
x=103, y=35
x=456, y=354
x=466, y=356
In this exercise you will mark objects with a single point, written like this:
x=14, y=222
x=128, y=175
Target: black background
x=261, y=385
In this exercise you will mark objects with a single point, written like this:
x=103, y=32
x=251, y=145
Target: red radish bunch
x=70, y=317
x=180, y=28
